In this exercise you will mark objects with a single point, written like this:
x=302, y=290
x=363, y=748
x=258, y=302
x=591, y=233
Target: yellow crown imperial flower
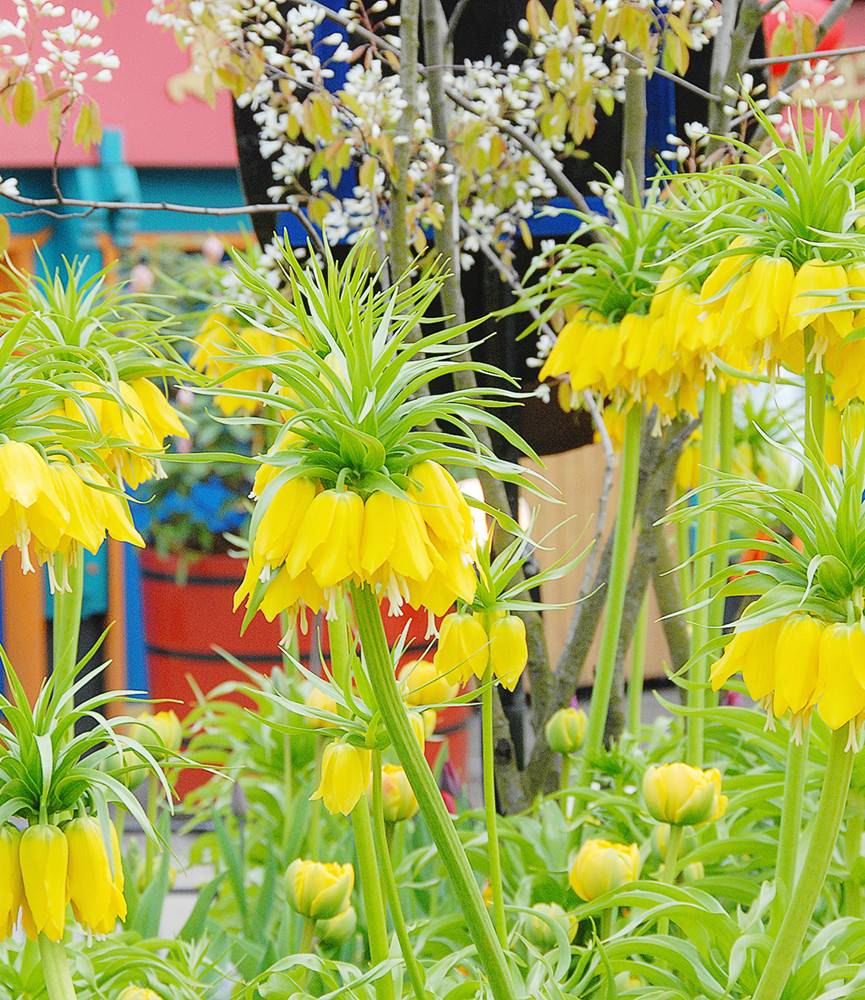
x=11, y=885
x=30, y=504
x=796, y=665
x=682, y=795
x=840, y=692
x=601, y=866
x=423, y=685
x=345, y=776
x=318, y=890
x=566, y=729
x=398, y=798
x=463, y=648
x=44, y=859
x=94, y=881
x=751, y=652
x=509, y=653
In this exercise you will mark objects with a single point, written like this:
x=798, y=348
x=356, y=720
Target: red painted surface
x=814, y=10
x=158, y=131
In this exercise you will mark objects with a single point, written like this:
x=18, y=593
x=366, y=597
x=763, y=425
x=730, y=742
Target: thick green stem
x=671, y=864
x=852, y=852
x=307, y=936
x=700, y=630
x=830, y=811
x=373, y=900
x=439, y=823
x=495, y=862
x=617, y=587
x=638, y=669
x=67, y=621
x=153, y=818
x=726, y=436
x=566, y=784
x=55, y=969
x=382, y=849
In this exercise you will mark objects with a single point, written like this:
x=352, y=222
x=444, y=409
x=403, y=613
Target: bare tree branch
x=808, y=56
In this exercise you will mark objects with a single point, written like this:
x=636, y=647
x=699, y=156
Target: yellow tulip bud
x=508, y=650
x=565, y=730
x=44, y=860
x=345, y=776
x=93, y=888
x=423, y=685
x=337, y=930
x=538, y=926
x=601, y=866
x=318, y=890
x=463, y=648
x=797, y=664
x=11, y=886
x=162, y=727
x=398, y=798
x=683, y=795
x=322, y=701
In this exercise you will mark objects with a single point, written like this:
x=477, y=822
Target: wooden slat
x=24, y=627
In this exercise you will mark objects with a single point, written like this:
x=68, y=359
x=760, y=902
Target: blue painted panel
x=220, y=188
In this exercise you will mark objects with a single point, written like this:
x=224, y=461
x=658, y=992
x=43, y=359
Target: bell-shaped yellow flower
x=44, y=859
x=797, y=657
x=840, y=693
x=328, y=539
x=726, y=272
x=317, y=890
x=463, y=648
x=566, y=729
x=682, y=795
x=601, y=866
x=751, y=652
x=279, y=526
x=442, y=504
x=423, y=685
x=768, y=293
x=345, y=776
x=163, y=419
x=11, y=886
x=509, y=653
x=816, y=287
x=398, y=798
x=94, y=882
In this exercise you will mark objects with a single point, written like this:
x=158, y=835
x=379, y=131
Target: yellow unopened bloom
x=538, y=925
x=165, y=727
x=840, y=693
x=423, y=685
x=751, y=652
x=416, y=720
x=398, y=798
x=601, y=866
x=345, y=776
x=328, y=539
x=797, y=657
x=11, y=886
x=339, y=929
x=44, y=859
x=566, y=729
x=508, y=650
x=682, y=795
x=463, y=648
x=316, y=698
x=137, y=993
x=93, y=888
x=317, y=890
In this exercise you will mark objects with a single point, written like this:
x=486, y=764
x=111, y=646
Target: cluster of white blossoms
x=45, y=46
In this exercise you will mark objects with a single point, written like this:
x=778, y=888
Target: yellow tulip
x=319, y=890
x=508, y=650
x=328, y=539
x=11, y=886
x=345, y=776
x=682, y=795
x=163, y=727
x=797, y=657
x=44, y=859
x=316, y=698
x=463, y=648
x=423, y=685
x=565, y=730
x=93, y=889
x=398, y=798
x=338, y=929
x=840, y=692
x=601, y=866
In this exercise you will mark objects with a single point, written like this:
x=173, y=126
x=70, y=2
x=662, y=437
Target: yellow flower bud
x=93, y=888
x=694, y=872
x=161, y=727
x=508, y=650
x=321, y=700
x=11, y=886
x=137, y=993
x=601, y=866
x=683, y=795
x=566, y=729
x=423, y=685
x=538, y=926
x=345, y=776
x=797, y=664
x=44, y=859
x=430, y=720
x=339, y=929
x=463, y=648
x=418, y=727
x=398, y=798
x=318, y=890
